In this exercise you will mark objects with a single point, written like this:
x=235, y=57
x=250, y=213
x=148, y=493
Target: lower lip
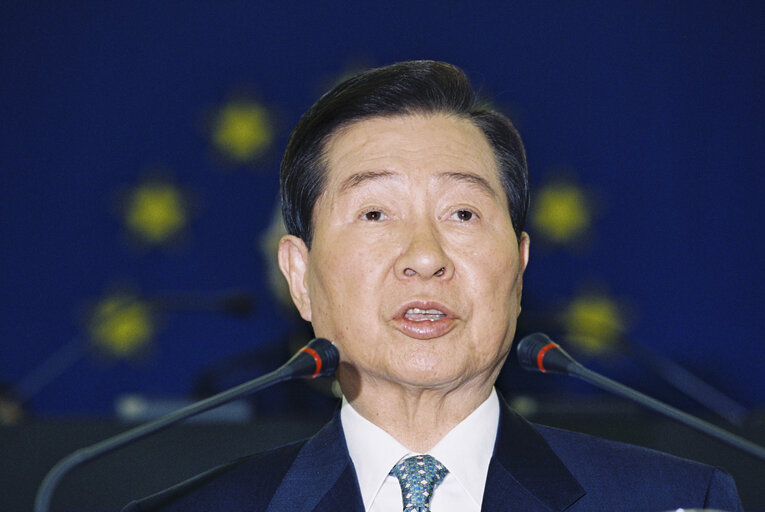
x=425, y=330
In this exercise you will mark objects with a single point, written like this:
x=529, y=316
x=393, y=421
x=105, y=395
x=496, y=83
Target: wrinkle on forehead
x=360, y=178
x=461, y=146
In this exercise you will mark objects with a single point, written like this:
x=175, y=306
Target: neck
x=418, y=418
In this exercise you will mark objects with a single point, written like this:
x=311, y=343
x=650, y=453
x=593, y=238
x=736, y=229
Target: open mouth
x=424, y=319
x=423, y=315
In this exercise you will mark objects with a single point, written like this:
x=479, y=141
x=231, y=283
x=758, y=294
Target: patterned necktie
x=418, y=476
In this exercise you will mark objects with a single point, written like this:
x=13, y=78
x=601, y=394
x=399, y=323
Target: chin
x=426, y=373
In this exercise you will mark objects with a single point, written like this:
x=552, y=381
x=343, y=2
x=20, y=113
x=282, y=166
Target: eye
x=373, y=215
x=463, y=215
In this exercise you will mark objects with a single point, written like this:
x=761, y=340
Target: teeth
x=424, y=311
x=421, y=315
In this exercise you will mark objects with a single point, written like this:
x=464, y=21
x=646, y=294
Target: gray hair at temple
x=404, y=88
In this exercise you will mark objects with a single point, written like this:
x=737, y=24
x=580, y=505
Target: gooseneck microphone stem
x=607, y=384
x=318, y=358
x=537, y=352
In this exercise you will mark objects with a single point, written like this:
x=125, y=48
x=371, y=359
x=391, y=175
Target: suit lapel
x=344, y=495
x=524, y=473
x=322, y=476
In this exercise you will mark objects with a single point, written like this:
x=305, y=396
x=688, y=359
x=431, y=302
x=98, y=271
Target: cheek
x=494, y=285
x=342, y=292
x=494, y=270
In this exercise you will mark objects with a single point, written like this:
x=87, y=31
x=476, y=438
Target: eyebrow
x=469, y=178
x=354, y=180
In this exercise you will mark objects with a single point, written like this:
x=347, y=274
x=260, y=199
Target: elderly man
x=405, y=205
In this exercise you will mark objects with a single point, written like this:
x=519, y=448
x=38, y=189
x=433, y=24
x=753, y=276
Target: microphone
x=317, y=359
x=538, y=353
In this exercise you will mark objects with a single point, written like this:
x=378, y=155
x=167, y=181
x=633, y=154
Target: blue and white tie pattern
x=418, y=477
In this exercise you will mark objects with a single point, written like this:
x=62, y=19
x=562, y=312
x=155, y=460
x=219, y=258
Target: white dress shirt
x=465, y=451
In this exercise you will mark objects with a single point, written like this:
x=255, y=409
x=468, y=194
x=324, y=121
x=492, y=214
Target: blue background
x=655, y=109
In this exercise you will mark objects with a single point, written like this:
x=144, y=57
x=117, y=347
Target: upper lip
x=424, y=305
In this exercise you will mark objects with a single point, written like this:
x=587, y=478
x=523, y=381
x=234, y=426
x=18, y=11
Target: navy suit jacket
x=534, y=468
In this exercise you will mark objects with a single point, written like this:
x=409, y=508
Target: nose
x=424, y=256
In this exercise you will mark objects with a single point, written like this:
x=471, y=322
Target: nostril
x=440, y=272
x=408, y=272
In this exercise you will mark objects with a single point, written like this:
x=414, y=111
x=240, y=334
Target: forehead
x=411, y=147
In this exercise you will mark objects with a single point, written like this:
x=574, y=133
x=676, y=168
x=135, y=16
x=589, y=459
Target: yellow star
x=560, y=212
x=242, y=131
x=155, y=212
x=594, y=322
x=121, y=325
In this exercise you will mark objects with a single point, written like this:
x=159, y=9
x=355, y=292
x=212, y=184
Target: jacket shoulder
x=247, y=483
x=604, y=467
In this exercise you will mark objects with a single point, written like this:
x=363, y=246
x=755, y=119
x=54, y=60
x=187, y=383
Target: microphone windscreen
x=328, y=355
x=529, y=349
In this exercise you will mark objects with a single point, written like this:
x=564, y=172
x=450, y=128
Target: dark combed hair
x=404, y=88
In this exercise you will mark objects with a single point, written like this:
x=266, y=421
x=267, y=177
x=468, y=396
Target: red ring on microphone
x=541, y=356
x=317, y=359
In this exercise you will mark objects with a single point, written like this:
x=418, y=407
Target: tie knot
x=418, y=476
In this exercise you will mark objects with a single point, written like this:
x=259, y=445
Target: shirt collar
x=466, y=450
x=372, y=450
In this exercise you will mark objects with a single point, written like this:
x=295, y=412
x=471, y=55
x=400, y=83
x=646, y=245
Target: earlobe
x=293, y=262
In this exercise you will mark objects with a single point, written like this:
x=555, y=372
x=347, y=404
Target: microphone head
x=538, y=353
x=317, y=359
x=327, y=354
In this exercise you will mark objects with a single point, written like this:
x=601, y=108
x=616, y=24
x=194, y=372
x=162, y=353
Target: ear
x=523, y=250
x=523, y=260
x=293, y=262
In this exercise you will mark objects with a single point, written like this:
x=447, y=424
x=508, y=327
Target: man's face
x=415, y=272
